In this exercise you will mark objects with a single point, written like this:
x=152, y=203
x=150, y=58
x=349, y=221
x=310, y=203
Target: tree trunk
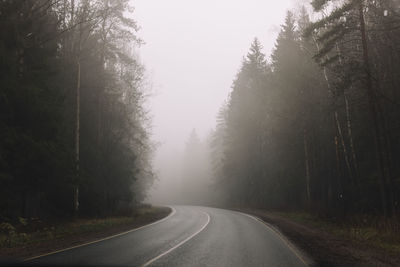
x=72, y=23
x=389, y=161
x=77, y=138
x=77, y=129
x=307, y=168
x=103, y=67
x=338, y=168
x=350, y=134
x=345, y=154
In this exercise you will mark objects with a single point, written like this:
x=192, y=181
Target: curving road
x=189, y=236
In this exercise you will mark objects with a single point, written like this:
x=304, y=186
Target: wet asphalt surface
x=190, y=236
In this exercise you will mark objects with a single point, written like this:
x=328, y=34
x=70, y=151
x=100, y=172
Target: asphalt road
x=190, y=236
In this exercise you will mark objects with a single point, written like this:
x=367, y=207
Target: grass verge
x=21, y=241
x=377, y=232
x=358, y=241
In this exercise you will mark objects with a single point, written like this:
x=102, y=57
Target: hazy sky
x=193, y=51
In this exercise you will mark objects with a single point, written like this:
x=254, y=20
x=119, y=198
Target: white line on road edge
x=282, y=237
x=106, y=238
x=180, y=243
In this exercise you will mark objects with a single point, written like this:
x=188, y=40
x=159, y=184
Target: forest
x=315, y=125
x=292, y=152
x=74, y=132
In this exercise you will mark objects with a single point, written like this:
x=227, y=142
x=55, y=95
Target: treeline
x=196, y=173
x=73, y=130
x=317, y=126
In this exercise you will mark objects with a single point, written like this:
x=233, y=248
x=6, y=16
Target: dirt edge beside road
x=33, y=249
x=327, y=249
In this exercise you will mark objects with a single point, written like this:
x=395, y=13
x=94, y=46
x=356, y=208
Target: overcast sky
x=192, y=51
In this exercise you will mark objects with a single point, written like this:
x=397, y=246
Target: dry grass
x=375, y=231
x=24, y=233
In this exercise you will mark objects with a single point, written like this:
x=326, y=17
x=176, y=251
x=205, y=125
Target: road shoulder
x=327, y=249
x=81, y=233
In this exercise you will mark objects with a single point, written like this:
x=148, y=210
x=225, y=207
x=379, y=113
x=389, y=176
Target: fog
x=150, y=114
x=192, y=51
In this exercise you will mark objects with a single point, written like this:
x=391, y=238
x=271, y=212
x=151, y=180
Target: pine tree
x=349, y=18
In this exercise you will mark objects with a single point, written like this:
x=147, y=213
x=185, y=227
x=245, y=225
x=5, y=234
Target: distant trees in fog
x=317, y=126
x=195, y=178
x=73, y=128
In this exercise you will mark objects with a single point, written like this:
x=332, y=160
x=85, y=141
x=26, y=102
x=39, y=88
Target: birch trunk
x=345, y=154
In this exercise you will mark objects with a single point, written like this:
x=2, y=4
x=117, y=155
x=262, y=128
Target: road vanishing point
x=189, y=236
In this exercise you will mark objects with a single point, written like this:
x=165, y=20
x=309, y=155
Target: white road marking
x=180, y=243
x=283, y=238
x=106, y=238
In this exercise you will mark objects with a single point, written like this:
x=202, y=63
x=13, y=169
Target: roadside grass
x=21, y=234
x=373, y=231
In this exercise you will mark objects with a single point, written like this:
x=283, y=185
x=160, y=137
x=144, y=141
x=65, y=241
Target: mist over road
x=190, y=236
